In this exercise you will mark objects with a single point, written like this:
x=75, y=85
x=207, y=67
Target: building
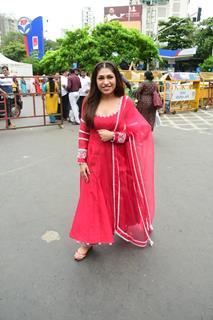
x=154, y=11
x=88, y=17
x=7, y=24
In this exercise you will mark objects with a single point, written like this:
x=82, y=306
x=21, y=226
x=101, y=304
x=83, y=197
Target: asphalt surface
x=39, y=185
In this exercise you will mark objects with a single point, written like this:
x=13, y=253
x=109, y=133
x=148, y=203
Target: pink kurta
x=119, y=197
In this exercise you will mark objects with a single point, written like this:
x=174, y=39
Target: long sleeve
x=83, y=140
x=120, y=136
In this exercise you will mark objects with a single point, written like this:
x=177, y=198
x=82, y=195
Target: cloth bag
x=157, y=102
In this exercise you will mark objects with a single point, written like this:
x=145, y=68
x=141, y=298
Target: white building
x=155, y=10
x=88, y=17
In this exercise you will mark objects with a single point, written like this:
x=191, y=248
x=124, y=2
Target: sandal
x=81, y=253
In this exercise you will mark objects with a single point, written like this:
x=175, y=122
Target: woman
x=144, y=95
x=116, y=166
x=37, y=85
x=51, y=98
x=23, y=86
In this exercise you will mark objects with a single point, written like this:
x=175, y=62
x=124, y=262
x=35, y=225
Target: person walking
x=144, y=94
x=85, y=86
x=116, y=158
x=64, y=95
x=74, y=84
x=51, y=98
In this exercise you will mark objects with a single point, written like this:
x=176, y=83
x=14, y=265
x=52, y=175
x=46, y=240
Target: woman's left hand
x=105, y=135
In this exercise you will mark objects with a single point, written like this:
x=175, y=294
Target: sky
x=68, y=15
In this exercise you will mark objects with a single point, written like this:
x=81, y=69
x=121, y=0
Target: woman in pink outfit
x=116, y=159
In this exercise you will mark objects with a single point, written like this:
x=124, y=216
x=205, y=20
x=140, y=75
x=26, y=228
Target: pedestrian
x=73, y=87
x=115, y=157
x=37, y=85
x=85, y=86
x=144, y=95
x=51, y=98
x=23, y=87
x=64, y=95
x=6, y=87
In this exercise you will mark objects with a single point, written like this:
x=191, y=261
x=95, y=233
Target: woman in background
x=144, y=95
x=51, y=98
x=23, y=86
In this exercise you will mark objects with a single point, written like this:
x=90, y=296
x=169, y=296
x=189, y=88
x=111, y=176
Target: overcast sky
x=68, y=15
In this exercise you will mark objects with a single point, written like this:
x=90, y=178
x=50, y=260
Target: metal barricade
x=28, y=109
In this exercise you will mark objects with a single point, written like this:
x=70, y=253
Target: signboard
x=24, y=25
x=35, y=42
x=123, y=13
x=183, y=94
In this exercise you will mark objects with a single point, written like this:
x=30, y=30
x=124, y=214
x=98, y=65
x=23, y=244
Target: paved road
x=39, y=279
x=201, y=121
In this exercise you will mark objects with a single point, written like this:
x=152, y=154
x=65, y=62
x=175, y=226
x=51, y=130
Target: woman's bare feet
x=82, y=252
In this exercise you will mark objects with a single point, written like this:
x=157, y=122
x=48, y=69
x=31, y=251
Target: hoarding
x=129, y=16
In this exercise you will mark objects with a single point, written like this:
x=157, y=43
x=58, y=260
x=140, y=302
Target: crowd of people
x=64, y=93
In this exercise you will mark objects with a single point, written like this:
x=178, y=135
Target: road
x=39, y=190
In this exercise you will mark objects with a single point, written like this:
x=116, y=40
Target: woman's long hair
x=94, y=96
x=51, y=86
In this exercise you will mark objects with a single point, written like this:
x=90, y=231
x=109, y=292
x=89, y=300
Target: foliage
x=108, y=41
x=50, y=45
x=33, y=59
x=13, y=46
x=204, y=38
x=207, y=64
x=179, y=35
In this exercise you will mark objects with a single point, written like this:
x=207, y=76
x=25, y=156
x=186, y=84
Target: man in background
x=73, y=87
x=6, y=87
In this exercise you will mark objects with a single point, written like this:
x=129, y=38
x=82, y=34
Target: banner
x=123, y=13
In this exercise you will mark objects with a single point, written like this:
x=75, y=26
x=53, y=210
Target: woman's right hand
x=84, y=171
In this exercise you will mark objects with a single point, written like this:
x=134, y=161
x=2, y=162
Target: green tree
x=108, y=41
x=179, y=33
x=50, y=45
x=118, y=43
x=207, y=64
x=13, y=46
x=204, y=38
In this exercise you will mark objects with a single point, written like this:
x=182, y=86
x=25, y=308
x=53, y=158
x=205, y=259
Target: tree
x=13, y=46
x=180, y=33
x=108, y=41
x=207, y=64
x=128, y=44
x=204, y=38
x=50, y=45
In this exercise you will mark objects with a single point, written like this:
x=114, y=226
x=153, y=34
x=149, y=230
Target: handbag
x=157, y=102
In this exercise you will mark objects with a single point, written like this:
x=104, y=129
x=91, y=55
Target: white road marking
x=201, y=122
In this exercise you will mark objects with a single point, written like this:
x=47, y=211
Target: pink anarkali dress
x=119, y=197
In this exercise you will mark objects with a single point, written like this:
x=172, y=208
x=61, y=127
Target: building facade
x=88, y=17
x=7, y=24
x=154, y=11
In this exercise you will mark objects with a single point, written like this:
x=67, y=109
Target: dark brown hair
x=94, y=95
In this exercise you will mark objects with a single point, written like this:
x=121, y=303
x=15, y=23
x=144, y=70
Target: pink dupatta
x=133, y=177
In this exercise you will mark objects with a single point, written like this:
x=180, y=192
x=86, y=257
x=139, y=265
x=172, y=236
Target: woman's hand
x=105, y=135
x=84, y=171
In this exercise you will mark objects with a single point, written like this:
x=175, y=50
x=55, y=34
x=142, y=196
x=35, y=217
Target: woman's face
x=106, y=81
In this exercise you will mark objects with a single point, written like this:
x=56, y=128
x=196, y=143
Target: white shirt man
x=85, y=86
